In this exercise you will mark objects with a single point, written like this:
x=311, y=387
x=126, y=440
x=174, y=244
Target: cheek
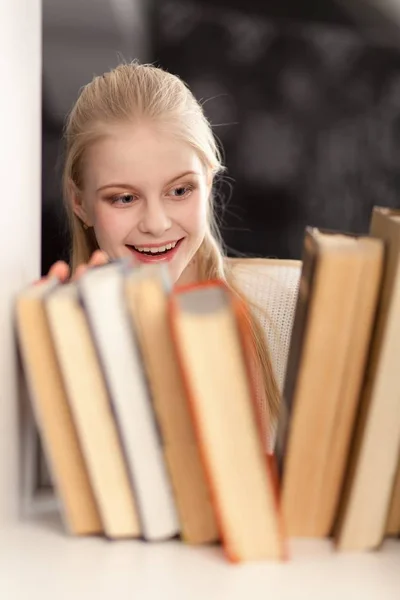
x=194, y=218
x=110, y=226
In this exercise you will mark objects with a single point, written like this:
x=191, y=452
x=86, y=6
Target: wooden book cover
x=147, y=290
x=211, y=336
x=52, y=412
x=104, y=300
x=330, y=339
x=373, y=462
x=89, y=402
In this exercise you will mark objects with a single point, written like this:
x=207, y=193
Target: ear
x=78, y=205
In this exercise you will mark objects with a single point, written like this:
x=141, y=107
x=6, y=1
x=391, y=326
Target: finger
x=60, y=270
x=79, y=271
x=98, y=258
x=39, y=281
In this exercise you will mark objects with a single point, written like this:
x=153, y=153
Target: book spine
x=309, y=264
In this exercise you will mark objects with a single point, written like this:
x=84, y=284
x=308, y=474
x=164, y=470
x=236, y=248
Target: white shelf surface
x=40, y=562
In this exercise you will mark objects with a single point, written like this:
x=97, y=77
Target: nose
x=154, y=220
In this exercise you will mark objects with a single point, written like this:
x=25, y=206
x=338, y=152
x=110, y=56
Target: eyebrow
x=129, y=185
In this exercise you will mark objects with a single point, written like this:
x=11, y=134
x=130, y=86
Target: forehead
x=138, y=154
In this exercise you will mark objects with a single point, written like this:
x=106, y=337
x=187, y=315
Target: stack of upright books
x=144, y=401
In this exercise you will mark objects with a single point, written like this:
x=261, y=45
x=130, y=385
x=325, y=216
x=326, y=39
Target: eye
x=182, y=191
x=123, y=199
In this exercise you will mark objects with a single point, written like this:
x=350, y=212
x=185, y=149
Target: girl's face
x=145, y=194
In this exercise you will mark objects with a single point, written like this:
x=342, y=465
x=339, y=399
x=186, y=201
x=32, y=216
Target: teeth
x=156, y=250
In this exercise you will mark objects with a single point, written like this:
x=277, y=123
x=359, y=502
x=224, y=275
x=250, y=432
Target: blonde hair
x=138, y=91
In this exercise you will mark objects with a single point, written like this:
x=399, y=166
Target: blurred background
x=304, y=96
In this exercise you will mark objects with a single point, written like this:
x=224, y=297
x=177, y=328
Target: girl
x=140, y=164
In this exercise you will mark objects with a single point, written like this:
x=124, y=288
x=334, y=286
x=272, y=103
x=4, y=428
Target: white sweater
x=272, y=284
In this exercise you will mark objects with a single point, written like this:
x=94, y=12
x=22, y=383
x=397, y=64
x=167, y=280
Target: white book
x=102, y=293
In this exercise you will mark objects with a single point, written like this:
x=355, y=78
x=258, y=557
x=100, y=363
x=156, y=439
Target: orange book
x=211, y=337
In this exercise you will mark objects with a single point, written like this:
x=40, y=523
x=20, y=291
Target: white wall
x=20, y=208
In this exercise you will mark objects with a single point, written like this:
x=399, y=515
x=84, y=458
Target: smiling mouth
x=155, y=251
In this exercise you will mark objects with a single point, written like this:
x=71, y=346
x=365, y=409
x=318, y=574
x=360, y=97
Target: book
x=393, y=518
x=89, y=403
x=147, y=291
x=375, y=448
x=335, y=312
x=52, y=412
x=104, y=301
x=210, y=334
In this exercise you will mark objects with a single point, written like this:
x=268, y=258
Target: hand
x=97, y=259
x=61, y=270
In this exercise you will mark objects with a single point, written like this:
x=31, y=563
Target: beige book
x=52, y=412
x=375, y=450
x=353, y=377
x=332, y=327
x=90, y=406
x=147, y=291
